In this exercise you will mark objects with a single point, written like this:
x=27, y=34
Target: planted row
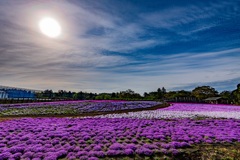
x=202, y=107
x=73, y=107
x=184, y=110
x=72, y=138
x=161, y=114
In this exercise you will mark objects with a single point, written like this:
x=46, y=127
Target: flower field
x=184, y=110
x=56, y=138
x=202, y=107
x=72, y=107
x=175, y=132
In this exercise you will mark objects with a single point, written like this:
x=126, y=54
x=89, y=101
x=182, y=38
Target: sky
x=115, y=45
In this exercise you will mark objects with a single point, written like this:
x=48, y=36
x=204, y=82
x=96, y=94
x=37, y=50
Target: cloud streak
x=104, y=50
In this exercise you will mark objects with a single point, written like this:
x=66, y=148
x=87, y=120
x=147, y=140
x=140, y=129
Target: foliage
x=171, y=95
x=204, y=92
x=156, y=95
x=103, y=96
x=226, y=95
x=236, y=95
x=198, y=94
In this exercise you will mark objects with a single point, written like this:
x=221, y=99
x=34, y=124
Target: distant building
x=3, y=95
x=216, y=100
x=16, y=93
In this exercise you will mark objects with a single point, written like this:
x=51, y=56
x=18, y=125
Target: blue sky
x=114, y=45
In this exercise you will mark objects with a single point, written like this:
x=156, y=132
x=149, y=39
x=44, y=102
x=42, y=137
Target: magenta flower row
x=94, y=138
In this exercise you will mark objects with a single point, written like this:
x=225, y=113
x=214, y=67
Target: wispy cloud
x=104, y=50
x=176, y=71
x=198, y=16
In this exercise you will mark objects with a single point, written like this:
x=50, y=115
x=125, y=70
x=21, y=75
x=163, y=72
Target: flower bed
x=71, y=138
x=202, y=107
x=72, y=107
x=181, y=110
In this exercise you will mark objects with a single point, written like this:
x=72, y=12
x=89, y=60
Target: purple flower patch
x=148, y=137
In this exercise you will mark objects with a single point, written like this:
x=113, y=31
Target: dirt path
x=2, y=119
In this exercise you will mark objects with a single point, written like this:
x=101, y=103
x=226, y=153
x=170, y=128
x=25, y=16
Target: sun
x=50, y=27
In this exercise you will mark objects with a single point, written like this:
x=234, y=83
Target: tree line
x=197, y=94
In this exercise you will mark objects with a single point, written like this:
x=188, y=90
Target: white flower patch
x=158, y=114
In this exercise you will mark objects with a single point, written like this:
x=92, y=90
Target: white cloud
x=176, y=18
x=183, y=69
x=77, y=60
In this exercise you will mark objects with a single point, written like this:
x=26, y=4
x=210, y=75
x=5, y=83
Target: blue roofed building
x=16, y=93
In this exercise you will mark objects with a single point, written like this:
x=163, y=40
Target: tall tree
x=164, y=91
x=236, y=95
x=145, y=94
x=171, y=95
x=80, y=95
x=113, y=95
x=183, y=93
x=103, y=96
x=159, y=93
x=226, y=95
x=47, y=94
x=204, y=92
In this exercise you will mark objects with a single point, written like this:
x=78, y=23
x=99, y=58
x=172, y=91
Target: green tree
x=129, y=95
x=164, y=91
x=70, y=94
x=204, y=92
x=47, y=94
x=171, y=95
x=183, y=93
x=226, y=95
x=153, y=95
x=159, y=93
x=113, y=95
x=236, y=95
x=145, y=95
x=103, y=96
x=39, y=95
x=80, y=96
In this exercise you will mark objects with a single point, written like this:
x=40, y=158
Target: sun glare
x=50, y=27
